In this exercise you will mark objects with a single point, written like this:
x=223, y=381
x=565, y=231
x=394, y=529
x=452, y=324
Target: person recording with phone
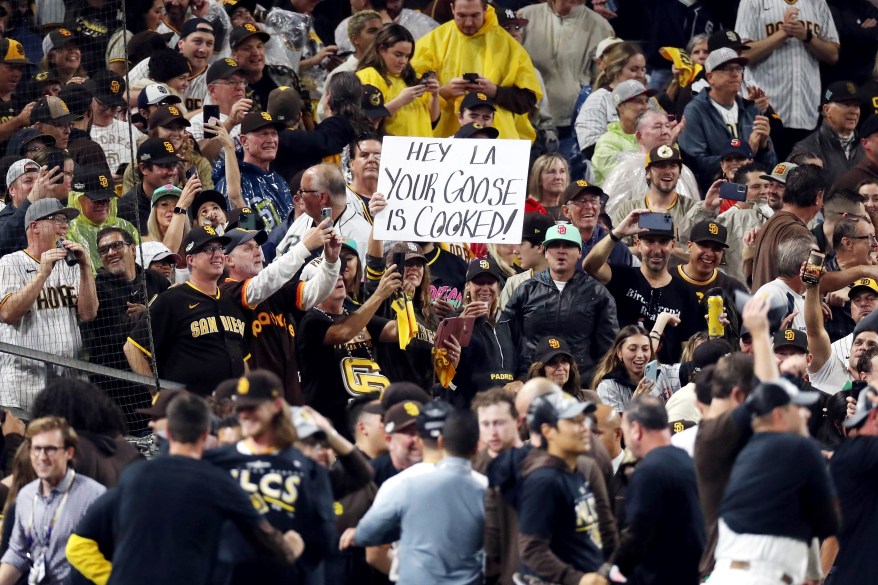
x=643, y=293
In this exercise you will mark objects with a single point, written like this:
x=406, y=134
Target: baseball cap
x=864, y=407
x=154, y=252
x=401, y=416
x=257, y=120
x=476, y=99
x=373, y=102
x=630, y=89
x=95, y=182
x=575, y=188
x=20, y=139
x=484, y=266
x=549, y=347
x=239, y=33
x=869, y=127
x=710, y=352
x=231, y=5
x=156, y=94
x=736, y=146
x=554, y=406
x=207, y=196
x=165, y=191
x=841, y=91
x=468, y=130
x=107, y=87
x=221, y=69
x=20, y=167
x=53, y=110
x=780, y=172
x=791, y=337
x=709, y=231
x=563, y=232
x=234, y=217
x=165, y=115
x=864, y=283
x=410, y=249
x=400, y=392
x=77, y=98
x=721, y=56
x=46, y=207
x=779, y=392
x=239, y=236
x=726, y=39
x=157, y=151
x=201, y=235
x=663, y=153
x=431, y=421
x=305, y=425
x=256, y=387
x=13, y=52
x=506, y=16
x=285, y=104
x=606, y=44
x=350, y=245
x=57, y=39
x=196, y=25
x=535, y=226
x=159, y=408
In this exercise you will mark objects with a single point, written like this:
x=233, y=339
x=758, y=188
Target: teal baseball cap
x=563, y=232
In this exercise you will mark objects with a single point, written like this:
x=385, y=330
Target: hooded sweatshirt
x=84, y=231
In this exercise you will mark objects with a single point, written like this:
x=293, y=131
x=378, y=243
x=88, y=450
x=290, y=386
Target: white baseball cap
x=153, y=252
x=19, y=168
x=606, y=44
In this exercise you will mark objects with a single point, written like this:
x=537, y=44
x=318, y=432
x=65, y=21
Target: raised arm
x=344, y=330
x=596, y=262
x=819, y=345
x=756, y=320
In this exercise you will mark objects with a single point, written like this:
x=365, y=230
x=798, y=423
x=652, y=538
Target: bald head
x=610, y=429
x=532, y=389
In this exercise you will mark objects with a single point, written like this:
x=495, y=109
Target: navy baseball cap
x=431, y=421
x=475, y=99
x=257, y=387
x=736, y=146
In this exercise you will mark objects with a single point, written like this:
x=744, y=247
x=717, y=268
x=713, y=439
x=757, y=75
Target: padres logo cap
x=257, y=120
x=95, y=182
x=791, y=337
x=580, y=187
x=841, y=92
x=663, y=153
x=548, y=348
x=862, y=285
x=630, y=89
x=780, y=172
x=474, y=100
x=221, y=69
x=709, y=231
x=563, y=232
x=13, y=52
x=241, y=33
x=484, y=266
x=108, y=88
x=53, y=110
x=401, y=416
x=157, y=151
x=199, y=236
x=156, y=94
x=164, y=116
x=726, y=38
x=256, y=387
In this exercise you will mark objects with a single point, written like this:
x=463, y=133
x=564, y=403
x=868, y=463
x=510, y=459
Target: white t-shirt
x=729, y=116
x=831, y=377
x=197, y=127
x=115, y=139
x=776, y=291
x=51, y=325
x=841, y=348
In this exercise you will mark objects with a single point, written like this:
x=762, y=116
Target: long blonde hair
x=534, y=182
x=611, y=360
x=156, y=234
x=614, y=61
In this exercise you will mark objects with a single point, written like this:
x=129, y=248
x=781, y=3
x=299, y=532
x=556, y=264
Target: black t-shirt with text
x=638, y=302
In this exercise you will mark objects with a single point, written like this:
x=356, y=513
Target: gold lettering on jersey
x=193, y=104
x=362, y=375
x=773, y=27
x=207, y=325
x=232, y=325
x=271, y=488
x=504, y=377
x=264, y=319
x=55, y=297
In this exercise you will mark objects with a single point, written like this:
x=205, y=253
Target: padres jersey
x=198, y=338
x=115, y=139
x=790, y=75
x=51, y=325
x=196, y=93
x=165, y=28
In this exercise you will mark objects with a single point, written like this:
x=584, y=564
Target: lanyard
x=54, y=516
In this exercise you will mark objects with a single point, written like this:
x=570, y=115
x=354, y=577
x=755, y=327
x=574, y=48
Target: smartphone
x=471, y=77
x=399, y=260
x=207, y=113
x=427, y=76
x=191, y=172
x=656, y=221
x=70, y=259
x=813, y=267
x=650, y=372
x=326, y=213
x=248, y=221
x=344, y=54
x=733, y=191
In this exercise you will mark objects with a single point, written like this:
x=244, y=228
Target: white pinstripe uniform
x=196, y=92
x=790, y=75
x=51, y=325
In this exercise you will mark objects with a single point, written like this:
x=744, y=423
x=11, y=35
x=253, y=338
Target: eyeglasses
x=593, y=201
x=873, y=238
x=509, y=27
x=852, y=216
x=301, y=191
x=232, y=83
x=212, y=249
x=49, y=450
x=114, y=246
x=59, y=219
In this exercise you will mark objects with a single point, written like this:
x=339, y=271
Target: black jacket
x=489, y=360
x=584, y=315
x=12, y=233
x=300, y=149
x=824, y=142
x=134, y=206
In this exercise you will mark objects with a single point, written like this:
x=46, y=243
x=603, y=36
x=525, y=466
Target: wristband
x=180, y=211
x=808, y=37
x=614, y=237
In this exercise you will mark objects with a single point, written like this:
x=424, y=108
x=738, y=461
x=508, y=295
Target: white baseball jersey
x=790, y=75
x=165, y=28
x=51, y=325
x=196, y=92
x=115, y=139
x=139, y=71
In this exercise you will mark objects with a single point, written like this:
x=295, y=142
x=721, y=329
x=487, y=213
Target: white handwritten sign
x=452, y=189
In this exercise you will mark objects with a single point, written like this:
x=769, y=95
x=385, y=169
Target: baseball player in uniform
x=787, y=41
x=45, y=290
x=197, y=330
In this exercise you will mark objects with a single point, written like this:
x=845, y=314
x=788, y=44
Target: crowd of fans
x=667, y=378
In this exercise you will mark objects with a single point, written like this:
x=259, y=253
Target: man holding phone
x=643, y=293
x=226, y=87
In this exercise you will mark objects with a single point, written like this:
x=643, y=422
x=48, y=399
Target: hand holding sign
x=452, y=190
